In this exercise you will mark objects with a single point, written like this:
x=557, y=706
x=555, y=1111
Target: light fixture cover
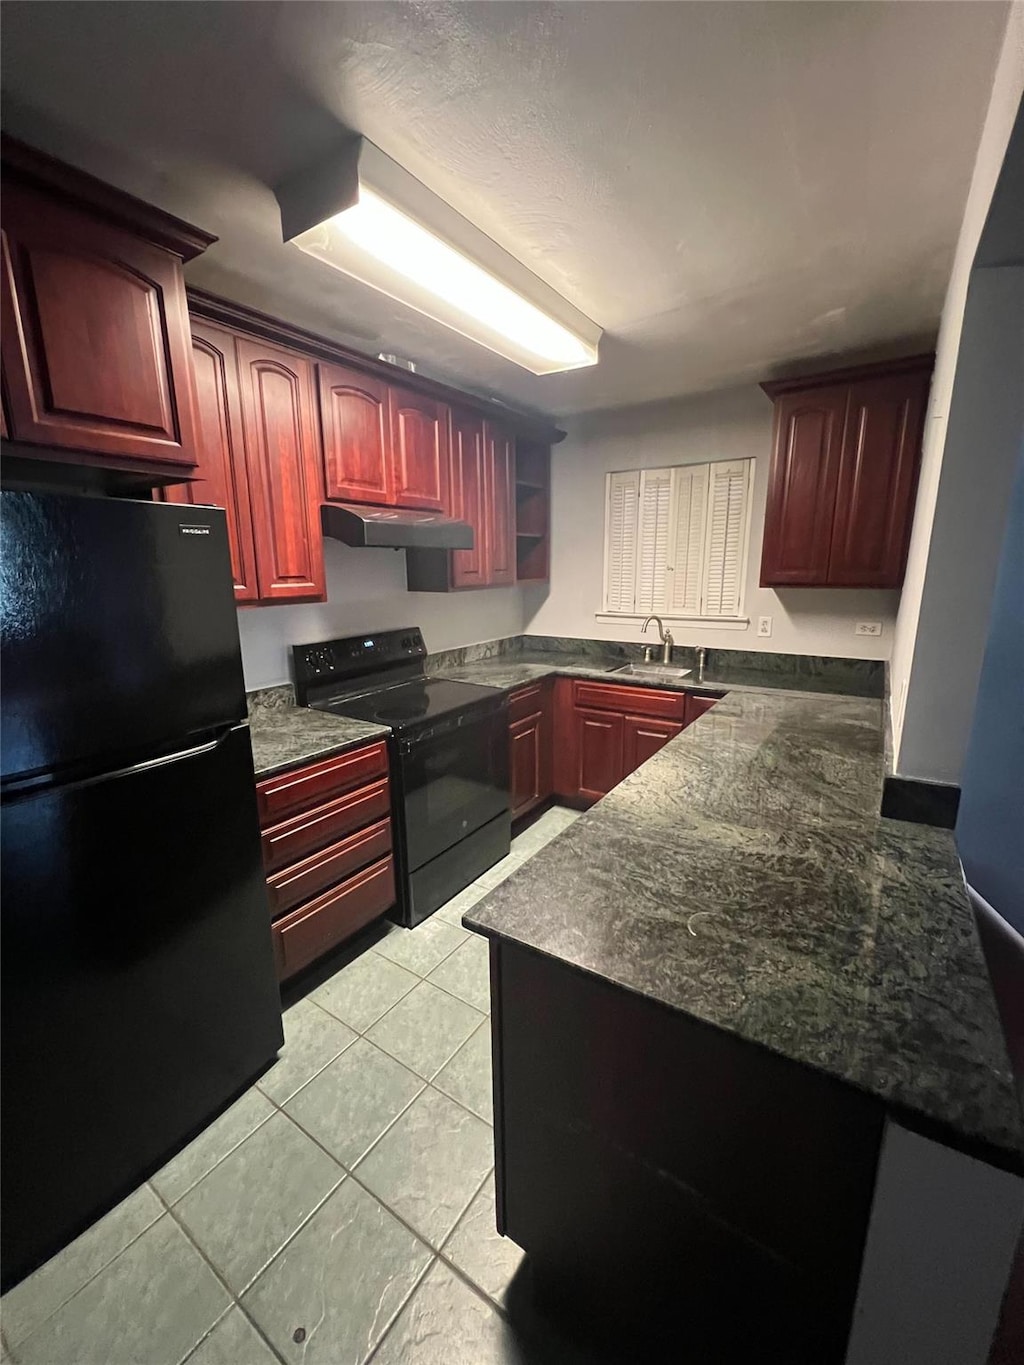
x=366, y=216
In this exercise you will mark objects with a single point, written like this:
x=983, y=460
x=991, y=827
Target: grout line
x=234, y=1297
x=11, y=1350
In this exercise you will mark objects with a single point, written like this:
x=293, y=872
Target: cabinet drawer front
x=696, y=706
x=637, y=701
x=304, y=787
x=528, y=700
x=305, y=834
x=314, y=874
x=309, y=932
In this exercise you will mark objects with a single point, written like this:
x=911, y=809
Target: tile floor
x=341, y=1211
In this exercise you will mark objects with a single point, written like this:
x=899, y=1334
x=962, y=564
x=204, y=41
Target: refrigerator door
x=119, y=631
x=138, y=987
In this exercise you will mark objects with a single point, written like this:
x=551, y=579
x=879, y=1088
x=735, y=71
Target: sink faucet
x=702, y=658
x=666, y=638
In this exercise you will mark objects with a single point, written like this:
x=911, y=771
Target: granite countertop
x=285, y=735
x=743, y=876
x=511, y=671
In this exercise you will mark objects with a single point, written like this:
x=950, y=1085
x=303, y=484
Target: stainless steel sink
x=666, y=672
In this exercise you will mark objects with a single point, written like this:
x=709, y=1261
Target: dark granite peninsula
x=286, y=736
x=714, y=999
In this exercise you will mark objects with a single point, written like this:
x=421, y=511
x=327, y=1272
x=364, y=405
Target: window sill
x=704, y=622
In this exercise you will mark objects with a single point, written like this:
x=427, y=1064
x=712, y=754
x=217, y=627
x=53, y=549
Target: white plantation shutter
x=655, y=516
x=726, y=538
x=676, y=540
x=686, y=552
x=621, y=541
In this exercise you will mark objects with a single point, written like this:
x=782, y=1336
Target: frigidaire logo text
x=194, y=530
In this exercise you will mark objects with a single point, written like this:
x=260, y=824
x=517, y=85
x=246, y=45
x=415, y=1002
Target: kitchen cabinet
x=282, y=452
x=499, y=501
x=481, y=493
x=845, y=457
x=95, y=341
x=532, y=511
x=327, y=852
x=642, y=737
x=605, y=731
x=419, y=437
x=469, y=495
x=357, y=436
x=696, y=706
x=220, y=449
x=600, y=763
x=531, y=748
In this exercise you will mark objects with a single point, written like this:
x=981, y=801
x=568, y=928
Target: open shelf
x=533, y=498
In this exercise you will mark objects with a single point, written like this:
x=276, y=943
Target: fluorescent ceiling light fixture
x=365, y=216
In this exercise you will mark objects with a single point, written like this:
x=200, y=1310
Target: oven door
x=454, y=779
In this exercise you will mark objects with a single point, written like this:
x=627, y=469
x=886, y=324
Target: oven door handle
x=451, y=726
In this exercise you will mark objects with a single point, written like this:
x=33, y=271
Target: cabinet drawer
x=304, y=834
x=637, y=701
x=303, y=787
x=319, y=925
x=696, y=706
x=299, y=882
x=526, y=701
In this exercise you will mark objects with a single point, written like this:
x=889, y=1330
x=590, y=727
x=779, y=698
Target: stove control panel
x=315, y=667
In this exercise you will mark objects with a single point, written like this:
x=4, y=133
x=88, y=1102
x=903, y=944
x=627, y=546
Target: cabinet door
x=877, y=478
x=419, y=448
x=282, y=457
x=530, y=759
x=95, y=336
x=468, y=499
x=642, y=737
x=500, y=465
x=802, y=487
x=599, y=753
x=357, y=441
x=220, y=446
x=524, y=740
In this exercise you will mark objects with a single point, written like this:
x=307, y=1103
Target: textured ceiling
x=725, y=188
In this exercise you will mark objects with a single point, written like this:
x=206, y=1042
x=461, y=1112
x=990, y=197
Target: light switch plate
x=868, y=628
x=764, y=626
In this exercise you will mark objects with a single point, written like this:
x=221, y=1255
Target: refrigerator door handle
x=144, y=766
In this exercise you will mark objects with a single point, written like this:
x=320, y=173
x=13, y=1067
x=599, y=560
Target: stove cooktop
x=418, y=701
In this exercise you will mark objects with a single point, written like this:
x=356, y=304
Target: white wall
x=366, y=591
x=933, y=754
x=731, y=424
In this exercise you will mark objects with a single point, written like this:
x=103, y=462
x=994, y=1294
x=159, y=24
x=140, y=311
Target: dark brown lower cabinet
x=678, y=1192
x=642, y=738
x=327, y=851
x=606, y=731
x=531, y=747
x=599, y=752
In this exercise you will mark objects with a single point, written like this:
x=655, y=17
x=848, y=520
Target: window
x=676, y=540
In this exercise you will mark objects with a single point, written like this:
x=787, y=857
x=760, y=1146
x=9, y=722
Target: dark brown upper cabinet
x=500, y=505
x=469, y=494
x=481, y=493
x=282, y=450
x=845, y=458
x=222, y=478
x=419, y=442
x=96, y=343
x=357, y=436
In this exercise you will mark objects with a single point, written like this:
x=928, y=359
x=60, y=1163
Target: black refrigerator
x=138, y=987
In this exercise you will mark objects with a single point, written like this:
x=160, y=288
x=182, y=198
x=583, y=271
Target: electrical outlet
x=868, y=628
x=764, y=626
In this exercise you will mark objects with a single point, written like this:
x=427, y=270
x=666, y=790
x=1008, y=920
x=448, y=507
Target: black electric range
x=448, y=751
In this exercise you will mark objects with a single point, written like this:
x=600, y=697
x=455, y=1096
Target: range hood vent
x=398, y=528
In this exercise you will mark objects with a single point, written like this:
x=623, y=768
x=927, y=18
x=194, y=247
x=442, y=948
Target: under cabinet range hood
x=398, y=528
